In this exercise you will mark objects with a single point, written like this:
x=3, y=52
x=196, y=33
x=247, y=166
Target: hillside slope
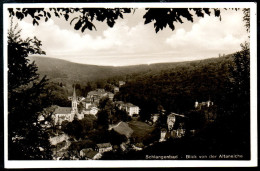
x=64, y=71
x=177, y=88
x=59, y=70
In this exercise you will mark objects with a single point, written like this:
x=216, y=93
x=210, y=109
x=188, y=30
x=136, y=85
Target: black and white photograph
x=130, y=84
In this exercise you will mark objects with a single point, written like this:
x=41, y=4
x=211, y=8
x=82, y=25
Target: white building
x=132, y=109
x=171, y=121
x=128, y=107
x=91, y=110
x=163, y=135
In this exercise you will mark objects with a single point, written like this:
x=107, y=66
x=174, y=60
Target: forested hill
x=176, y=89
x=59, y=70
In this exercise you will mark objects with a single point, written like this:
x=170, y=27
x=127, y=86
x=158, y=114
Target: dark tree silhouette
x=27, y=140
x=85, y=16
x=20, y=70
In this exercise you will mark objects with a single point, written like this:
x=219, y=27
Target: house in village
x=92, y=110
x=54, y=140
x=90, y=154
x=110, y=95
x=172, y=132
x=138, y=146
x=121, y=83
x=179, y=133
x=163, y=135
x=116, y=89
x=155, y=117
x=203, y=104
x=90, y=107
x=123, y=146
x=171, y=118
x=63, y=113
x=131, y=109
x=208, y=108
x=104, y=147
x=96, y=95
x=74, y=155
x=86, y=103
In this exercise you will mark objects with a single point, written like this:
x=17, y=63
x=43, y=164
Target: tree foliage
x=178, y=88
x=225, y=81
x=246, y=18
x=27, y=139
x=20, y=70
x=162, y=17
x=168, y=16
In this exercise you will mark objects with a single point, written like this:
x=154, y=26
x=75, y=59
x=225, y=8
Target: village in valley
x=128, y=83
x=132, y=133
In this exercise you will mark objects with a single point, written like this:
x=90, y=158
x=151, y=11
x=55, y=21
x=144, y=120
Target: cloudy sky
x=130, y=42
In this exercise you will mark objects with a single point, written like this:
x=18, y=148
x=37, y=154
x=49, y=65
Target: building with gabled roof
x=90, y=154
x=63, y=113
x=138, y=146
x=104, y=147
x=128, y=107
x=123, y=129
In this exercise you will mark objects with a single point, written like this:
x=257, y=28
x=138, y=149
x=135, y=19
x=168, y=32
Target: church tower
x=74, y=102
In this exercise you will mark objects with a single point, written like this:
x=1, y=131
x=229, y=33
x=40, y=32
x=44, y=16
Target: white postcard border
x=144, y=163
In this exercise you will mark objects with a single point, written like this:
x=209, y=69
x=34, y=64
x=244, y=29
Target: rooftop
x=104, y=145
x=62, y=110
x=140, y=145
x=98, y=92
x=175, y=114
x=90, y=154
x=123, y=129
x=85, y=150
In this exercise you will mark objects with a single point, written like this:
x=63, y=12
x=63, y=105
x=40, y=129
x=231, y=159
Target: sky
x=131, y=42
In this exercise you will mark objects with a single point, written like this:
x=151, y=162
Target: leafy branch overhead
x=167, y=16
x=83, y=17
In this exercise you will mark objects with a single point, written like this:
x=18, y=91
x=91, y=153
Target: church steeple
x=74, y=97
x=74, y=101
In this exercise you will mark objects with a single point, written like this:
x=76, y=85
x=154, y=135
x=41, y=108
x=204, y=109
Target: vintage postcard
x=130, y=85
